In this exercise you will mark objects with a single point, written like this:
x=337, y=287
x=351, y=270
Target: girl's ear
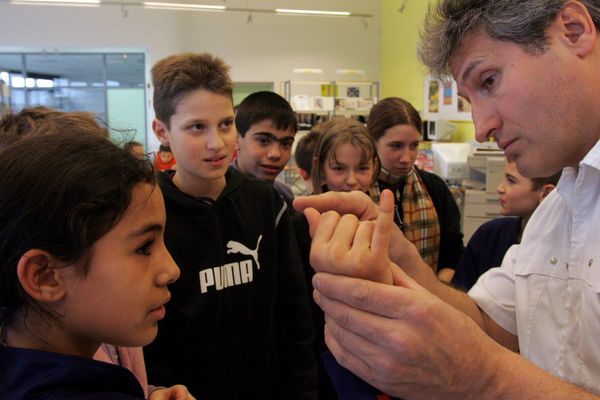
x=39, y=280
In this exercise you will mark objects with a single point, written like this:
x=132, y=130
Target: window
x=111, y=85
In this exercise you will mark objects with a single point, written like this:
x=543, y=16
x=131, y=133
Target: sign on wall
x=443, y=102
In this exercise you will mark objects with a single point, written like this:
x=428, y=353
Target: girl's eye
x=197, y=127
x=145, y=248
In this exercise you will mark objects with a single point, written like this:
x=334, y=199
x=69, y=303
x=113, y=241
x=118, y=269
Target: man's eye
x=488, y=82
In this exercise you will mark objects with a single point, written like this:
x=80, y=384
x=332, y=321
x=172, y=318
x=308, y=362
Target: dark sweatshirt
x=41, y=375
x=238, y=324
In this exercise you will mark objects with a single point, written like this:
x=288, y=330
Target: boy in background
x=238, y=325
x=304, y=153
x=519, y=197
x=266, y=126
x=164, y=159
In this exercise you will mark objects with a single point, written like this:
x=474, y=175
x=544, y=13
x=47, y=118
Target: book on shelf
x=322, y=103
x=300, y=102
x=353, y=103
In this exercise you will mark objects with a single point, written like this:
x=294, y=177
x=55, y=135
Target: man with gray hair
x=526, y=330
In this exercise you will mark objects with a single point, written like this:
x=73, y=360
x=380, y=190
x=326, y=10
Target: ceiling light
x=182, y=6
x=71, y=3
x=312, y=12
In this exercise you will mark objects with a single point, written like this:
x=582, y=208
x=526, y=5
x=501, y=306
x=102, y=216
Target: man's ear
x=577, y=28
x=161, y=131
x=546, y=189
x=39, y=280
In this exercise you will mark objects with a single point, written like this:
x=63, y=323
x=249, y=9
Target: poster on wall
x=443, y=102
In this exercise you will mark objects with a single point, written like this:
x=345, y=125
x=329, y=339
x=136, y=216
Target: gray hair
x=522, y=22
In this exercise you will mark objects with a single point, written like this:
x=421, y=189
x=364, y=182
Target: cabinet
x=479, y=207
x=482, y=205
x=312, y=100
x=317, y=100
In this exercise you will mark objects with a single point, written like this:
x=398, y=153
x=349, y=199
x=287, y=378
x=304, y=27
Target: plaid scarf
x=419, y=221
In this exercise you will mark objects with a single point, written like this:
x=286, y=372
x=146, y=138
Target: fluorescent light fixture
x=182, y=6
x=18, y=82
x=312, y=12
x=70, y=3
x=44, y=83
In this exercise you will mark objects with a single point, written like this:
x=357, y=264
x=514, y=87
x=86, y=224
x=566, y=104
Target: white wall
x=265, y=50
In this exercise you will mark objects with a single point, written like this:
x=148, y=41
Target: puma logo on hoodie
x=237, y=247
x=232, y=274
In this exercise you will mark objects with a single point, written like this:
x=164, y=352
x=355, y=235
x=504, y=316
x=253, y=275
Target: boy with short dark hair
x=266, y=125
x=238, y=325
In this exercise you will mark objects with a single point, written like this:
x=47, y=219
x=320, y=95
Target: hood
x=201, y=208
x=234, y=180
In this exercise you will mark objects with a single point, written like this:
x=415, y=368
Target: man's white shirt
x=547, y=291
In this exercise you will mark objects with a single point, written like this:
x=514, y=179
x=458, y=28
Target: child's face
x=121, y=298
x=201, y=135
x=265, y=150
x=165, y=156
x=516, y=194
x=346, y=172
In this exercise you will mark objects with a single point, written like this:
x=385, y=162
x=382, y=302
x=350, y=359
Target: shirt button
x=553, y=260
x=590, y=262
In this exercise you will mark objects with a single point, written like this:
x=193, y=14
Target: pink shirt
x=131, y=358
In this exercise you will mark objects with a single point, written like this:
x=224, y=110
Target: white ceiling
x=127, y=67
